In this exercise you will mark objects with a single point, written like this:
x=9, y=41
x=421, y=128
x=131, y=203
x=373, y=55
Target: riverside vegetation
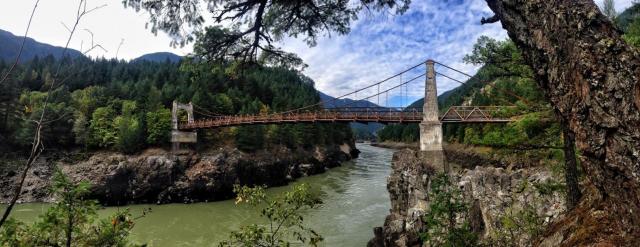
x=537, y=137
x=126, y=110
x=72, y=220
x=124, y=107
x=111, y=104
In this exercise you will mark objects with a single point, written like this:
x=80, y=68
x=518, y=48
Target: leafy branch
x=284, y=216
x=37, y=146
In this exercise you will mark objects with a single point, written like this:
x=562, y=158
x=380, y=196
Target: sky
x=379, y=44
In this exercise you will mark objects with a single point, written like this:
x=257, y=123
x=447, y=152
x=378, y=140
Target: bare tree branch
x=35, y=6
x=37, y=146
x=93, y=46
x=489, y=20
x=120, y=45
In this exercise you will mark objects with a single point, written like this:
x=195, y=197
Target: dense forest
x=505, y=81
x=125, y=106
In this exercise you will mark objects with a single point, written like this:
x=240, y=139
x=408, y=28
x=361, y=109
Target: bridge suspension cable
x=388, y=90
x=333, y=102
x=463, y=83
x=509, y=92
x=456, y=114
x=205, y=112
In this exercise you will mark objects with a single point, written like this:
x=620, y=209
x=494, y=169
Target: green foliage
x=80, y=129
x=520, y=221
x=110, y=104
x=443, y=227
x=158, y=126
x=86, y=100
x=284, y=218
x=400, y=133
x=549, y=187
x=628, y=16
x=222, y=104
x=71, y=220
x=503, y=75
x=103, y=132
x=250, y=138
x=260, y=24
x=129, y=136
x=58, y=115
x=632, y=36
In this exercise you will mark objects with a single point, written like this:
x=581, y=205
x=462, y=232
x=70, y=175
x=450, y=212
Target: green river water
x=354, y=198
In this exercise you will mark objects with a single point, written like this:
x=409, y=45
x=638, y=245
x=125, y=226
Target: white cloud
x=380, y=46
x=109, y=25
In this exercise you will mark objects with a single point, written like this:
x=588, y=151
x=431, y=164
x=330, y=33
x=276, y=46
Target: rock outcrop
x=408, y=190
x=157, y=176
x=491, y=192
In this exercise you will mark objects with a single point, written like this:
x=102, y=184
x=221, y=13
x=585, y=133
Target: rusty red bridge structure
x=455, y=114
x=428, y=116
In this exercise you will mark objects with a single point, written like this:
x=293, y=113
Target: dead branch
x=489, y=20
x=37, y=146
x=35, y=6
x=120, y=45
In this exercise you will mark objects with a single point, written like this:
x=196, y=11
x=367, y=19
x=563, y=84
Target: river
x=354, y=195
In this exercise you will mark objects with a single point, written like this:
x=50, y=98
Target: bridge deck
x=362, y=115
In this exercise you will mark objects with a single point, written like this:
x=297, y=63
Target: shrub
x=284, y=218
x=71, y=221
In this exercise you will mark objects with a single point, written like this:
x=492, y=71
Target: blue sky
x=379, y=45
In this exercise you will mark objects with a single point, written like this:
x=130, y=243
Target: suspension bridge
x=428, y=116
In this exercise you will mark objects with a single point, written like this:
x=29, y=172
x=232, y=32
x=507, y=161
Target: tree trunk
x=591, y=77
x=570, y=168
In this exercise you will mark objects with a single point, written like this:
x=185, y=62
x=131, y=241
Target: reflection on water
x=354, y=198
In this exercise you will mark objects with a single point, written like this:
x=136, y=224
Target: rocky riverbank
x=396, y=145
x=495, y=192
x=157, y=176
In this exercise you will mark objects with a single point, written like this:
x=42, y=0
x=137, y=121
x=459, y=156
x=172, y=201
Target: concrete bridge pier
x=430, y=127
x=177, y=136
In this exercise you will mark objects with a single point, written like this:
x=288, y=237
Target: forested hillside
x=158, y=57
x=111, y=104
x=361, y=131
x=503, y=81
x=10, y=46
x=504, y=75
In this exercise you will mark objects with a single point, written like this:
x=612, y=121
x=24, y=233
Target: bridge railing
x=475, y=114
x=352, y=114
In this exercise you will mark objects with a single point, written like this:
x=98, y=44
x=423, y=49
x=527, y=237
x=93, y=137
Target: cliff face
x=496, y=196
x=157, y=176
x=408, y=190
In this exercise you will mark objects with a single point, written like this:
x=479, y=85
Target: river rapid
x=354, y=195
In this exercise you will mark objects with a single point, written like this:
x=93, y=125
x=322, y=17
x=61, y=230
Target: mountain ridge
x=159, y=57
x=11, y=45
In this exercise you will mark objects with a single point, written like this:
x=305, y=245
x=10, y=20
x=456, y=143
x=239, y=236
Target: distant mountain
x=441, y=99
x=454, y=96
x=360, y=130
x=158, y=57
x=628, y=16
x=10, y=45
x=331, y=102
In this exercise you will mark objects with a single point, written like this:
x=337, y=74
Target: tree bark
x=570, y=168
x=591, y=78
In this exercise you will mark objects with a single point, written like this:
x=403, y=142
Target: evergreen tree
x=609, y=10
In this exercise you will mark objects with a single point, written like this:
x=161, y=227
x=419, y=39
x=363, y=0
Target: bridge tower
x=178, y=136
x=430, y=127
